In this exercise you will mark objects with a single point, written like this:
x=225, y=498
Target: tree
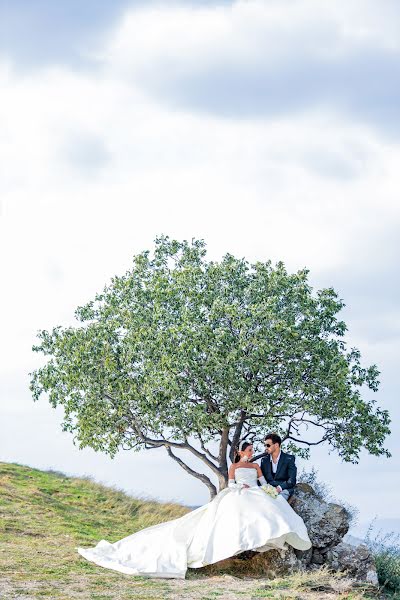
x=189, y=355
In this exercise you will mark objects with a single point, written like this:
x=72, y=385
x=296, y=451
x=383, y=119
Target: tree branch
x=206, y=450
x=258, y=456
x=185, y=467
x=323, y=439
x=201, y=456
x=183, y=446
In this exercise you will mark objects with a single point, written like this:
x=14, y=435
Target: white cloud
x=264, y=58
x=251, y=31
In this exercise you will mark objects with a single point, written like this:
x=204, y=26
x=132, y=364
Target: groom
x=278, y=468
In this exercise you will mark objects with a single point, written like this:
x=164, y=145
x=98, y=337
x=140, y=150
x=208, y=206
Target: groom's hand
x=279, y=489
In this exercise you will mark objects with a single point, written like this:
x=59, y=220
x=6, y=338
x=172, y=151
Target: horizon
x=377, y=526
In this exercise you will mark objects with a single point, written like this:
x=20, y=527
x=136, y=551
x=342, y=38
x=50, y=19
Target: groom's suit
x=286, y=472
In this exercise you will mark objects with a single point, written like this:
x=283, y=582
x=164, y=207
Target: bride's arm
x=259, y=472
x=260, y=476
x=231, y=477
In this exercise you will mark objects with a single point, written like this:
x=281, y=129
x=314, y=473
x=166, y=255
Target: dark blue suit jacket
x=286, y=473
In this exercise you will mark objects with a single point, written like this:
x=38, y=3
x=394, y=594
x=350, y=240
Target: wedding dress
x=237, y=519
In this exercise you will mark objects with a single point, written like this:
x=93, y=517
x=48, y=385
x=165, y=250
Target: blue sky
x=40, y=32
x=43, y=32
x=268, y=128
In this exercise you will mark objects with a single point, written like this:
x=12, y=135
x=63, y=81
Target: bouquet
x=270, y=490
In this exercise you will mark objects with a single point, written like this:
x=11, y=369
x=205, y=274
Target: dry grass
x=45, y=515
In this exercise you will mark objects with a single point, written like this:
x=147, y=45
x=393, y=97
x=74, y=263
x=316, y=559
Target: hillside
x=45, y=515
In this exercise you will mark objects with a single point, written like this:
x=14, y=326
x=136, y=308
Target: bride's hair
x=242, y=446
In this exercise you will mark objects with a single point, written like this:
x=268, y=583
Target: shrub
x=385, y=548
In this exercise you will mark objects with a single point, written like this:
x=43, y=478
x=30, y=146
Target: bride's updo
x=242, y=446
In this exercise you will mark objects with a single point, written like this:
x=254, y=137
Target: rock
x=357, y=561
x=317, y=558
x=304, y=556
x=275, y=563
x=326, y=522
x=270, y=564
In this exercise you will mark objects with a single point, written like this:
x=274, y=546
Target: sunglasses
x=268, y=445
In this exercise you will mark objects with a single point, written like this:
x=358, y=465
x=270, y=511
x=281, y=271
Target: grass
x=45, y=515
x=386, y=551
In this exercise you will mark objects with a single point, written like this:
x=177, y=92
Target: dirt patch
x=224, y=587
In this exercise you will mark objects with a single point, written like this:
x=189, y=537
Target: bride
x=243, y=516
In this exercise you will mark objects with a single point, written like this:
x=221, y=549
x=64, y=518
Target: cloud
x=266, y=59
x=63, y=32
x=43, y=32
x=368, y=283
x=85, y=152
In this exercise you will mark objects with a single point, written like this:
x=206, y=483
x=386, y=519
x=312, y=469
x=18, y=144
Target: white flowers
x=270, y=490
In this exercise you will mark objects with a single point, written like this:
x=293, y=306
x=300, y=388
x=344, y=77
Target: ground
x=45, y=515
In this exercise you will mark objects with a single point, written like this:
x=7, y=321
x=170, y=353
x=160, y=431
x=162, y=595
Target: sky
x=270, y=129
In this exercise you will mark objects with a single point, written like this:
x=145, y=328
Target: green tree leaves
x=192, y=355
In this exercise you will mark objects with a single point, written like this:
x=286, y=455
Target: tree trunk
x=222, y=460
